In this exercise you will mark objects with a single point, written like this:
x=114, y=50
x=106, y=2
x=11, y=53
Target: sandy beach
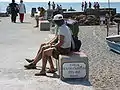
x=104, y=64
x=19, y=41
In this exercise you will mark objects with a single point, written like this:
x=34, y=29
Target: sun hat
x=58, y=17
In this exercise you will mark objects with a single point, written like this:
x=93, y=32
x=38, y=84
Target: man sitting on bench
x=62, y=46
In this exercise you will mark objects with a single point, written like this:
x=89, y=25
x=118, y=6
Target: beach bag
x=8, y=10
x=74, y=27
x=17, y=9
x=77, y=44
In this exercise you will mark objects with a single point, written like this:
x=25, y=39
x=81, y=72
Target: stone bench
x=74, y=66
x=102, y=20
x=44, y=25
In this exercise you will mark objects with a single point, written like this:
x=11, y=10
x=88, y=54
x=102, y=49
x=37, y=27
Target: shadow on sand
x=72, y=81
x=23, y=23
x=69, y=81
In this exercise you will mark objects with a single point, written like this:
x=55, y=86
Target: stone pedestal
x=44, y=25
x=74, y=66
x=102, y=20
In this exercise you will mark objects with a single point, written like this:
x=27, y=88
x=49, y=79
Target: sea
x=66, y=5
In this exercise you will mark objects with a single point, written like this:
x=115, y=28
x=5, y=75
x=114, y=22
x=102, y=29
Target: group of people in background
x=14, y=9
x=86, y=5
x=54, y=6
x=96, y=5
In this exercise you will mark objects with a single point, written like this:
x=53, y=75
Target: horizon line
x=63, y=2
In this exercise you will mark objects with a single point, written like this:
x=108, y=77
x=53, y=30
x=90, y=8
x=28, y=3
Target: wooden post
x=107, y=27
x=118, y=28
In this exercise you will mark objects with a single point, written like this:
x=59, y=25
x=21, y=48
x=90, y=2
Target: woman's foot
x=41, y=73
x=51, y=71
x=29, y=60
x=30, y=66
x=35, y=26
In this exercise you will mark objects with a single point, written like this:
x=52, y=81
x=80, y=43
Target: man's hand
x=43, y=44
x=53, y=46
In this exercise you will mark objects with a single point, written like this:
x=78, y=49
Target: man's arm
x=24, y=8
x=53, y=40
x=60, y=41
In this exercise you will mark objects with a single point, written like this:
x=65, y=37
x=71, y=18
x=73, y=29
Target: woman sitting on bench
x=40, y=15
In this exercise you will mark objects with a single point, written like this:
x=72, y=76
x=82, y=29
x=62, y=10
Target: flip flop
x=51, y=71
x=40, y=74
x=29, y=60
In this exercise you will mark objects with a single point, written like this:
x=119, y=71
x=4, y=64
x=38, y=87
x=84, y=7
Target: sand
x=104, y=64
x=19, y=41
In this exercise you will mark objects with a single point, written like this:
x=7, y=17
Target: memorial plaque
x=74, y=70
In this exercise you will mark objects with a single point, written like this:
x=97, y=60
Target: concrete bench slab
x=44, y=25
x=73, y=66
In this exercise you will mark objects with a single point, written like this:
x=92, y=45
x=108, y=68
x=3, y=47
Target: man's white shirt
x=65, y=31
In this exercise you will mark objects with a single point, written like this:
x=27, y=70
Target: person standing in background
x=49, y=5
x=97, y=5
x=90, y=4
x=82, y=6
x=85, y=7
x=94, y=5
x=14, y=9
x=53, y=6
x=22, y=10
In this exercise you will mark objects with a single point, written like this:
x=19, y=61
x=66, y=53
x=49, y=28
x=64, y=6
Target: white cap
x=58, y=17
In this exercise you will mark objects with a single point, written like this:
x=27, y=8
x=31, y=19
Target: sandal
x=40, y=74
x=30, y=66
x=51, y=71
x=29, y=60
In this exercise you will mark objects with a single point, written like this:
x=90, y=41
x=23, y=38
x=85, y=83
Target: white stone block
x=73, y=66
x=44, y=25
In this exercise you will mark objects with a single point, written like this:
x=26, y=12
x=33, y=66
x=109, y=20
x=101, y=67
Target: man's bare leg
x=46, y=53
x=39, y=54
x=52, y=69
x=31, y=60
x=37, y=22
x=32, y=65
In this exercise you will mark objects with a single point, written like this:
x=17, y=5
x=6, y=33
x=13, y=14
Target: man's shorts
x=62, y=51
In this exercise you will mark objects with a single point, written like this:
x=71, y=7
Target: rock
x=87, y=20
x=91, y=20
x=4, y=15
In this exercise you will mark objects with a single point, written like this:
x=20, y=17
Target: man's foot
x=35, y=26
x=29, y=60
x=30, y=66
x=41, y=73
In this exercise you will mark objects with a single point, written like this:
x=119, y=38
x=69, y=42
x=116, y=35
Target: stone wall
x=4, y=15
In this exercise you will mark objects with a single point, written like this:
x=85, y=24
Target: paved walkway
x=17, y=42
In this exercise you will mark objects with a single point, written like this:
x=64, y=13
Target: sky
x=63, y=0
